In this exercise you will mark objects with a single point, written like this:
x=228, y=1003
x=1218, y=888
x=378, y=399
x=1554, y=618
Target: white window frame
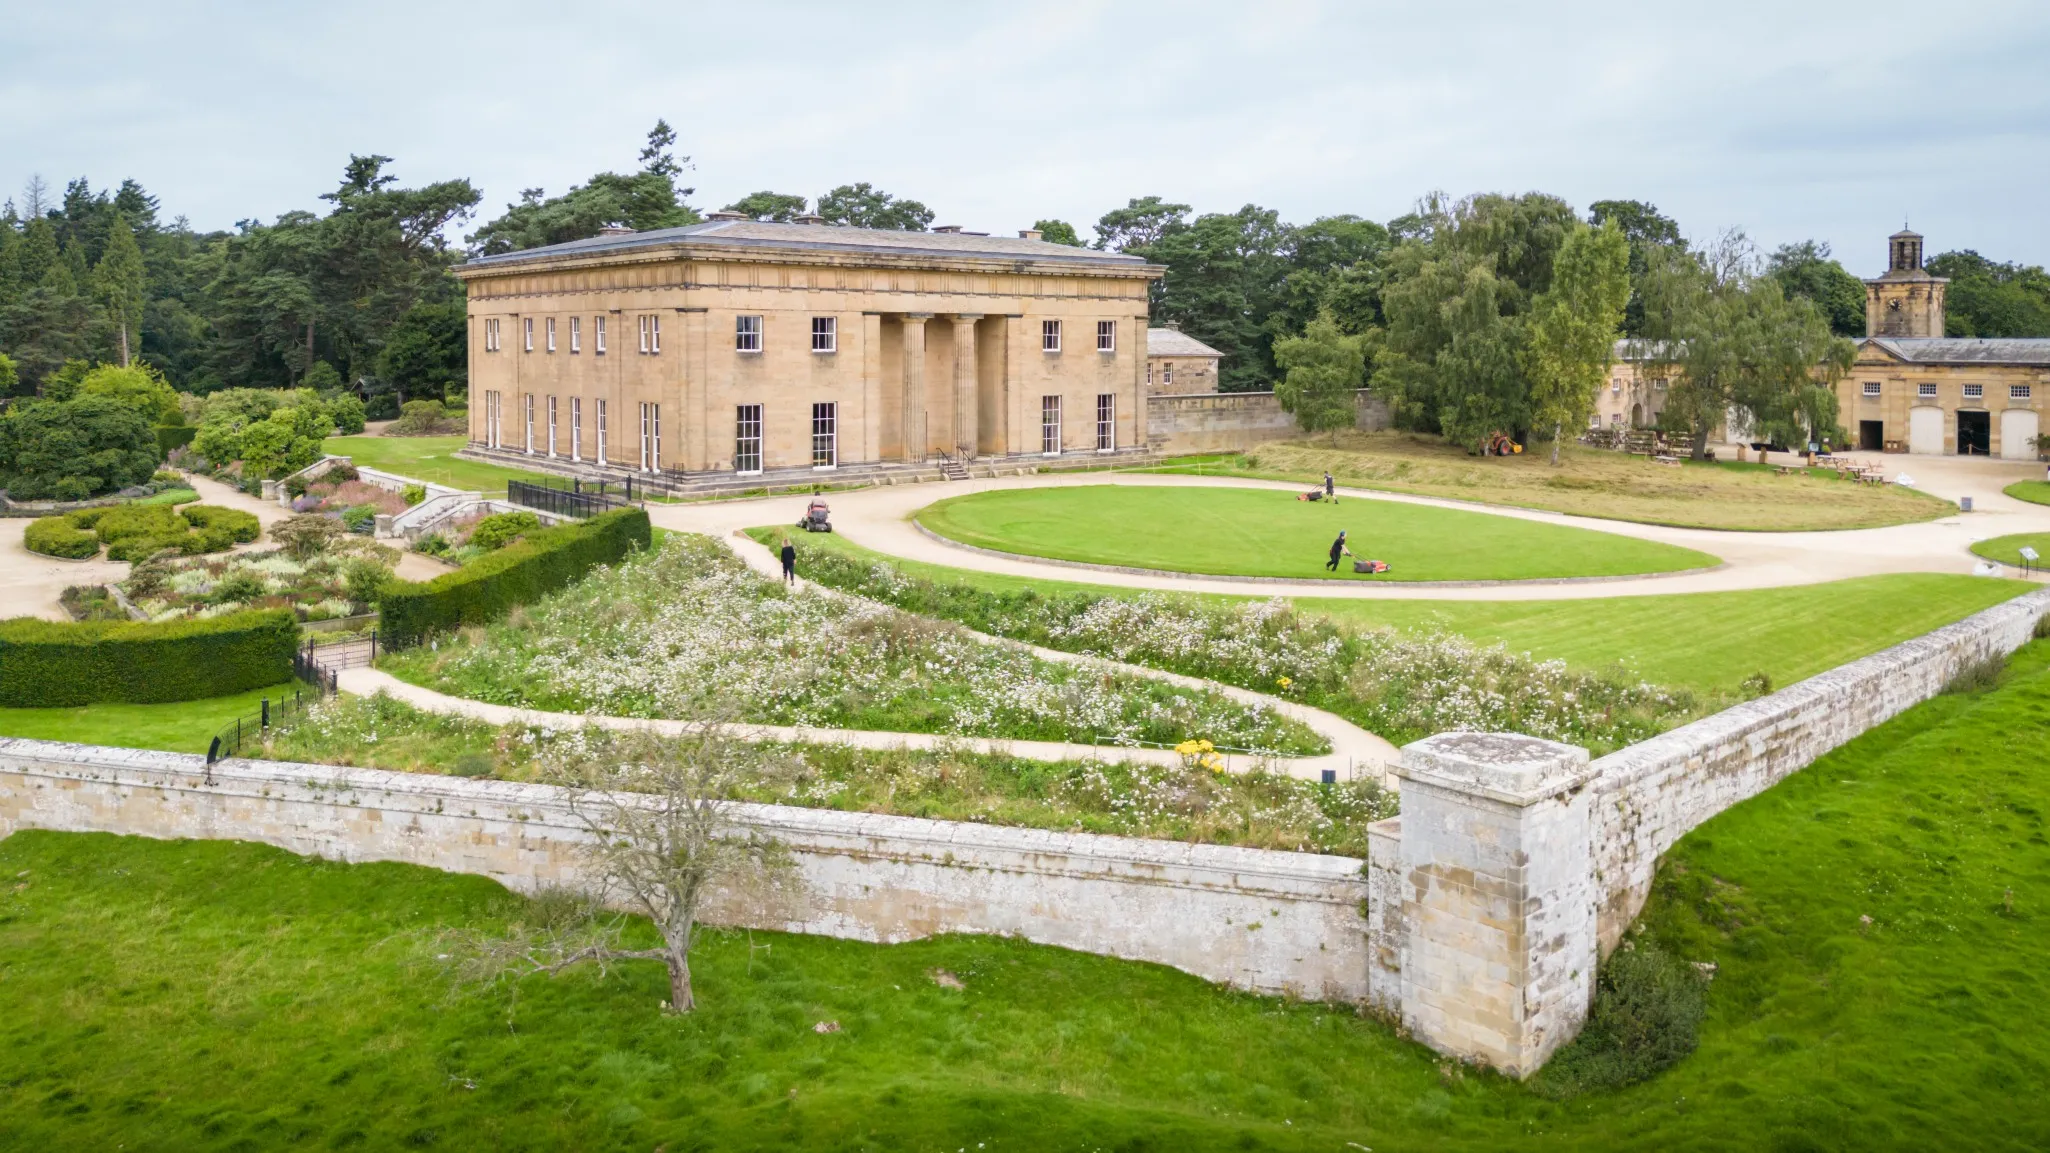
x=747, y=334
x=598, y=336
x=1975, y=392
x=551, y=425
x=1872, y=388
x=2019, y=392
x=651, y=437
x=528, y=409
x=655, y=335
x=1615, y=385
x=602, y=430
x=576, y=334
x=527, y=324
x=643, y=326
x=549, y=328
x=825, y=334
x=491, y=335
x=1925, y=391
x=747, y=445
x=825, y=436
x=1106, y=336
x=1050, y=336
x=1050, y=429
x=1106, y=422
x=576, y=428
x=491, y=415
x=1167, y=374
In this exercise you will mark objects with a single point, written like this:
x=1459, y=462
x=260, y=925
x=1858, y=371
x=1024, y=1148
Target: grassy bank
x=2008, y=549
x=1708, y=643
x=2033, y=491
x=1594, y=482
x=1872, y=921
x=425, y=458
x=1267, y=532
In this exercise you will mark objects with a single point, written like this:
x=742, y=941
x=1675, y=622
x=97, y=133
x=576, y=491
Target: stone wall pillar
x=966, y=414
x=914, y=386
x=1498, y=941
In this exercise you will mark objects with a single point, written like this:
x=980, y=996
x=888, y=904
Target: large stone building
x=1912, y=389
x=742, y=346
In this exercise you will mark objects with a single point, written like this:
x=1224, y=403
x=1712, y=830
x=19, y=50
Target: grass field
x=1593, y=482
x=176, y=726
x=1267, y=532
x=2033, y=491
x=1707, y=642
x=425, y=458
x=1873, y=921
x=2007, y=549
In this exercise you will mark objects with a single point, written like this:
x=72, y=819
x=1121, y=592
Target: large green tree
x=1987, y=298
x=866, y=206
x=643, y=200
x=1057, y=232
x=1647, y=229
x=1573, y=328
x=1806, y=270
x=767, y=205
x=118, y=288
x=1322, y=371
x=1224, y=279
x=76, y=449
x=426, y=353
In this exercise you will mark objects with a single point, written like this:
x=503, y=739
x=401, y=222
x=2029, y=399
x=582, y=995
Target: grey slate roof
x=2027, y=351
x=763, y=234
x=1174, y=342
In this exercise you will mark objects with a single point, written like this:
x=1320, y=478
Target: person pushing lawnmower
x=1339, y=549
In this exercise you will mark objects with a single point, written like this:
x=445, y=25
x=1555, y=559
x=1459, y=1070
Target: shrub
x=170, y=440
x=422, y=418
x=241, y=527
x=307, y=535
x=500, y=529
x=360, y=518
x=57, y=536
x=1647, y=1010
x=123, y=521
x=347, y=409
x=75, y=450
x=545, y=560
x=295, y=486
x=1977, y=676
x=414, y=494
x=366, y=580
x=233, y=589
x=135, y=532
x=433, y=544
x=45, y=664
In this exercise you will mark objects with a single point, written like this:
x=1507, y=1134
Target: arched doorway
x=1637, y=416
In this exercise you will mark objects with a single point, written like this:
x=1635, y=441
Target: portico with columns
x=759, y=347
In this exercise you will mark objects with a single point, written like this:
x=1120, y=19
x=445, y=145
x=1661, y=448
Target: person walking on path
x=1330, y=489
x=1338, y=549
x=789, y=557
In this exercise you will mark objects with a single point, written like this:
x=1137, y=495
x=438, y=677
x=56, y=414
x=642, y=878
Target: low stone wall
x=1234, y=421
x=1268, y=921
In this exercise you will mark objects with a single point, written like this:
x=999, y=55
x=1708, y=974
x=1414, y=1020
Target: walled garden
x=686, y=630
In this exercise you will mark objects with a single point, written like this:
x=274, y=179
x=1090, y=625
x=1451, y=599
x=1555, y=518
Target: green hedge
x=521, y=572
x=135, y=532
x=57, y=536
x=46, y=664
x=173, y=439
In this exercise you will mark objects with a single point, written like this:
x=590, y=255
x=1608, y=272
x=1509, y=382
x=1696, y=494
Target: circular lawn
x=2008, y=549
x=1268, y=532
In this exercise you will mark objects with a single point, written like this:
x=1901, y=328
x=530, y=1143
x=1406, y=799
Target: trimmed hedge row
x=57, y=536
x=173, y=439
x=134, y=532
x=523, y=571
x=47, y=664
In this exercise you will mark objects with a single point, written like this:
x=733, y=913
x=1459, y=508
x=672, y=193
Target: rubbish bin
x=1964, y=504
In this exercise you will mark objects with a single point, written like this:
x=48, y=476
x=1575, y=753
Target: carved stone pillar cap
x=1506, y=767
x=968, y=316
x=918, y=316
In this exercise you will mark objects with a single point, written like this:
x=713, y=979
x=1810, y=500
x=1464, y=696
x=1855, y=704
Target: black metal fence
x=577, y=498
x=246, y=729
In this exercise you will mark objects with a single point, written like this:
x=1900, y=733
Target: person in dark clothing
x=789, y=555
x=1338, y=549
x=1330, y=489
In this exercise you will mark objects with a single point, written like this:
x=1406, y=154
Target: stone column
x=966, y=412
x=914, y=386
x=1499, y=896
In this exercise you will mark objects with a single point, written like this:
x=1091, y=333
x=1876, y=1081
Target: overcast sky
x=1791, y=119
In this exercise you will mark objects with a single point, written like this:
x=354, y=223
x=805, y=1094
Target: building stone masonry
x=1263, y=920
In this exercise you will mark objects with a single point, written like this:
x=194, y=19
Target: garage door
x=2018, y=434
x=1925, y=430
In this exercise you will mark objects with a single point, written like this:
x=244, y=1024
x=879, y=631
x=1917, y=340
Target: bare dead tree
x=663, y=839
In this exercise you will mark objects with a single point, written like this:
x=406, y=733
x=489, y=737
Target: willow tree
x=1322, y=372
x=1571, y=335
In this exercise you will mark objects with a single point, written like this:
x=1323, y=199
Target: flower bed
x=339, y=583
x=1256, y=810
x=687, y=631
x=1399, y=685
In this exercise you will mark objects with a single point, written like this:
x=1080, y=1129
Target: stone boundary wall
x=1268, y=921
x=1649, y=795
x=1232, y=421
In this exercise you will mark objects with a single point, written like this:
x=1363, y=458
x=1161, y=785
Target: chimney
x=726, y=214
x=1028, y=234
x=946, y=228
x=808, y=218
x=615, y=230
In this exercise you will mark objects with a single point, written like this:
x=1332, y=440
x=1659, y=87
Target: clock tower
x=1906, y=301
